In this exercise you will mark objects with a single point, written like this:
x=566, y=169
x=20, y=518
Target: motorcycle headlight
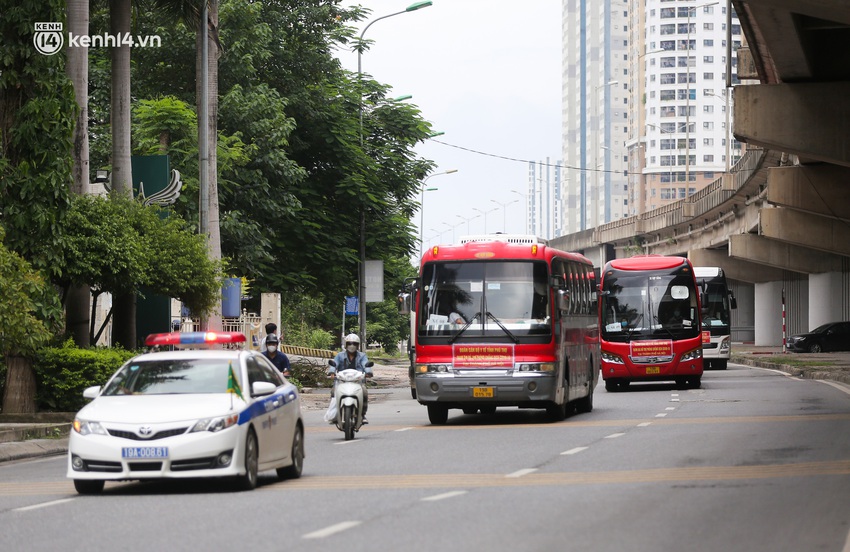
x=88, y=428
x=611, y=357
x=692, y=355
x=214, y=424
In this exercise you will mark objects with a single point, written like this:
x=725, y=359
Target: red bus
x=649, y=322
x=503, y=320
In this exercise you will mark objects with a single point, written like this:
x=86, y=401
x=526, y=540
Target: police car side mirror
x=262, y=388
x=91, y=392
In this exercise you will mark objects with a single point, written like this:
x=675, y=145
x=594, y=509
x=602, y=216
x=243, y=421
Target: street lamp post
x=467, y=219
x=504, y=207
x=361, y=273
x=525, y=199
x=688, y=98
x=595, y=160
x=485, y=213
x=453, y=226
x=422, y=205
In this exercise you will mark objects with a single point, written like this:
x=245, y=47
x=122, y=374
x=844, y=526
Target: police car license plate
x=143, y=453
x=653, y=370
x=482, y=392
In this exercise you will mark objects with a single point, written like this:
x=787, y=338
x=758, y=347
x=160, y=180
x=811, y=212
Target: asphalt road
x=755, y=460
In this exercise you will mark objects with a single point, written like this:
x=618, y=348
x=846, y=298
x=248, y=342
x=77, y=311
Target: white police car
x=188, y=414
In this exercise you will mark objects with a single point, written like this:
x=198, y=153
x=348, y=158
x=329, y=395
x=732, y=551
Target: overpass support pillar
x=824, y=306
x=768, y=313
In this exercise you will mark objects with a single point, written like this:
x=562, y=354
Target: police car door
x=271, y=422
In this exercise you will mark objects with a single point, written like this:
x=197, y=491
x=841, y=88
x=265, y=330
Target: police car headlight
x=611, y=357
x=537, y=367
x=88, y=428
x=692, y=355
x=214, y=424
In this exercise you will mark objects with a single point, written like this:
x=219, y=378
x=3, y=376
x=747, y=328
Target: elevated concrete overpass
x=779, y=222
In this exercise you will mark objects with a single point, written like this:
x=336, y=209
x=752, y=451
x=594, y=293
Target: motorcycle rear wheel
x=348, y=422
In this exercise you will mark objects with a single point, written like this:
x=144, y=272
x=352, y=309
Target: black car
x=834, y=336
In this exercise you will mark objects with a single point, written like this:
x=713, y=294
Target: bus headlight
x=536, y=367
x=724, y=344
x=426, y=368
x=692, y=355
x=611, y=357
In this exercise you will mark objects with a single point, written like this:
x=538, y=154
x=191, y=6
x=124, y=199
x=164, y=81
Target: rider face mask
x=351, y=348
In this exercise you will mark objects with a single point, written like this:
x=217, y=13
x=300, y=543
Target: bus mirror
x=733, y=303
x=557, y=282
x=564, y=300
x=703, y=301
x=405, y=302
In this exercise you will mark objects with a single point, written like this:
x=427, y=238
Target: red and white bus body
x=527, y=335
x=717, y=304
x=649, y=322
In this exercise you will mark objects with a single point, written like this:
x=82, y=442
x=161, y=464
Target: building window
x=668, y=29
x=708, y=109
x=708, y=125
x=667, y=62
x=668, y=78
x=708, y=59
x=708, y=159
x=708, y=26
x=668, y=45
x=708, y=76
x=667, y=13
x=708, y=42
x=708, y=141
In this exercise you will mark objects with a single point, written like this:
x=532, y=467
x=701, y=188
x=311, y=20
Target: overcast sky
x=488, y=74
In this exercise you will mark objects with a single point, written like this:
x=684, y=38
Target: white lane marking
x=674, y=400
x=573, y=451
x=520, y=473
x=670, y=408
x=613, y=435
x=661, y=415
x=839, y=386
x=43, y=505
x=644, y=424
x=331, y=530
x=450, y=494
x=404, y=429
x=674, y=394
x=780, y=372
x=347, y=442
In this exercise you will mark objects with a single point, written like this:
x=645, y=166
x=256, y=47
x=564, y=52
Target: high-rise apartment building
x=681, y=122
x=645, y=115
x=595, y=111
x=544, y=202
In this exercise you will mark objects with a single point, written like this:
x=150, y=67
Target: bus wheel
x=556, y=412
x=719, y=364
x=585, y=404
x=413, y=392
x=437, y=414
x=694, y=383
x=612, y=386
x=681, y=383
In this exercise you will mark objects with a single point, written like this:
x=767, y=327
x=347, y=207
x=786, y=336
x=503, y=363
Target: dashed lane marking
x=573, y=451
x=613, y=435
x=43, y=505
x=522, y=473
x=444, y=496
x=331, y=530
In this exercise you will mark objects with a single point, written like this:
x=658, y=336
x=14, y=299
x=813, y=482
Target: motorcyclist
x=352, y=358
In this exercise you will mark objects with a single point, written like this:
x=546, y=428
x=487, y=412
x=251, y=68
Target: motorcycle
x=348, y=399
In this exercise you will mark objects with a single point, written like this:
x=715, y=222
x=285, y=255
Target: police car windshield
x=161, y=377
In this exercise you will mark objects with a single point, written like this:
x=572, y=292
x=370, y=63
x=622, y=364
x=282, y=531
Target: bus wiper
x=664, y=327
x=463, y=329
x=633, y=328
x=504, y=329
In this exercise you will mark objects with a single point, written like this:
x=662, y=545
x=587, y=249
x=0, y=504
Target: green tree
x=120, y=246
x=25, y=302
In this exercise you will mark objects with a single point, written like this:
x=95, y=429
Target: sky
x=488, y=75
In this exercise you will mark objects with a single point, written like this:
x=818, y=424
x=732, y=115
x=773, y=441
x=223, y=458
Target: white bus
x=717, y=304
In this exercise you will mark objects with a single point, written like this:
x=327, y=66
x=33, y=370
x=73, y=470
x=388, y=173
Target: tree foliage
x=37, y=115
x=117, y=245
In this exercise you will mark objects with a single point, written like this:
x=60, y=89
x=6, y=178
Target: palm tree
x=124, y=305
x=78, y=298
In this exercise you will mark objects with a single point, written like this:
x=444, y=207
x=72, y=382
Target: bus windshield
x=716, y=308
x=649, y=305
x=507, y=299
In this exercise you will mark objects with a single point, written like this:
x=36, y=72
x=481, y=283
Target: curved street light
x=361, y=273
x=485, y=213
x=504, y=207
x=422, y=205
